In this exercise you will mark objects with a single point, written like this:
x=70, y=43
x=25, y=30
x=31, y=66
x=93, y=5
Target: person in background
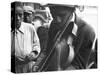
x=38, y=21
x=42, y=30
x=28, y=14
x=49, y=17
x=25, y=45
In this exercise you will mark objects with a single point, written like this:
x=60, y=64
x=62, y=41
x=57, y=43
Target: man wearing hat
x=28, y=14
x=25, y=45
x=70, y=40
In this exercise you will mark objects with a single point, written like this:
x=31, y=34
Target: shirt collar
x=75, y=27
x=20, y=29
x=73, y=18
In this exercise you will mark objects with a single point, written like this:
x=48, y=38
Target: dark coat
x=82, y=44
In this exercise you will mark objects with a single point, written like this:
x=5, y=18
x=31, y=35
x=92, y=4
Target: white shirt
x=70, y=40
x=25, y=40
x=75, y=28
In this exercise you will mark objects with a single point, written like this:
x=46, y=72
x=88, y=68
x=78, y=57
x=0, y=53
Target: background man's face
x=18, y=16
x=28, y=17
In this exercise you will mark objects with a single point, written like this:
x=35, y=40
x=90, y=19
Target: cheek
x=21, y=18
x=29, y=18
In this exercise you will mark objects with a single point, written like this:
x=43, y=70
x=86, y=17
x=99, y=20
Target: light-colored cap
x=28, y=9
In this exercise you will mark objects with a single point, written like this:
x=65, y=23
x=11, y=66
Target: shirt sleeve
x=12, y=43
x=36, y=43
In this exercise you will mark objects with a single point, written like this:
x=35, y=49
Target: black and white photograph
x=53, y=37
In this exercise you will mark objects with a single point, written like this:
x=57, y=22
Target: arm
x=35, y=45
x=84, y=46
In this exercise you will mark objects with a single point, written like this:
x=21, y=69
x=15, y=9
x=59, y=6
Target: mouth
x=18, y=23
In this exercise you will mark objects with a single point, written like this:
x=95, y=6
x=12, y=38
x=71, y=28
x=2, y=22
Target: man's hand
x=35, y=68
x=31, y=56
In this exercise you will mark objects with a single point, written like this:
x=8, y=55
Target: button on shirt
x=25, y=41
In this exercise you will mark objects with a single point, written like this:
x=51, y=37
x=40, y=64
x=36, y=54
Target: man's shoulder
x=83, y=25
x=88, y=31
x=28, y=25
x=87, y=28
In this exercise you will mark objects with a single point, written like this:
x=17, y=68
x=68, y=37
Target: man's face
x=28, y=17
x=18, y=16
